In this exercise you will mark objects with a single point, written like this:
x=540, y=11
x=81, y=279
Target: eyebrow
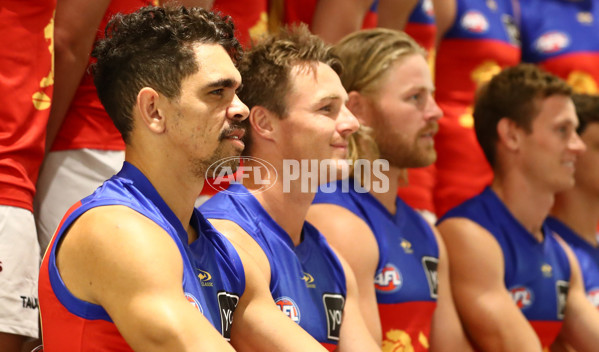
x=224, y=83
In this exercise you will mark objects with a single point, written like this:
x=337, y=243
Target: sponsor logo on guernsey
x=475, y=22
x=406, y=245
x=309, y=280
x=194, y=302
x=593, y=296
x=333, y=306
x=552, y=42
x=547, y=270
x=522, y=296
x=388, y=279
x=561, y=288
x=204, y=277
x=289, y=307
x=427, y=8
x=430, y=265
x=227, y=302
x=511, y=29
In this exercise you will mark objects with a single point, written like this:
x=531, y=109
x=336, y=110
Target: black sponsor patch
x=227, y=302
x=333, y=306
x=561, y=288
x=430, y=265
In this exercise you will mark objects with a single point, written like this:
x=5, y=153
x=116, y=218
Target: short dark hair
x=265, y=69
x=515, y=93
x=587, y=109
x=153, y=47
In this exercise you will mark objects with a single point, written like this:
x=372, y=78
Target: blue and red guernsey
x=213, y=276
x=537, y=274
x=406, y=275
x=307, y=281
x=421, y=25
x=563, y=38
x=482, y=40
x=587, y=255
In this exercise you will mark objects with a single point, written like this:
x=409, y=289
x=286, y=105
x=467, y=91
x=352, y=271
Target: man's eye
x=327, y=108
x=217, y=91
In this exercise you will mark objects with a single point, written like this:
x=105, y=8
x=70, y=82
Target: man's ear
x=263, y=122
x=509, y=134
x=358, y=104
x=151, y=115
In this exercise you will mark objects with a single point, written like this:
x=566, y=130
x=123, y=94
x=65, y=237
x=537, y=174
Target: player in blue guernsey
x=506, y=264
x=297, y=112
x=398, y=258
x=575, y=214
x=134, y=267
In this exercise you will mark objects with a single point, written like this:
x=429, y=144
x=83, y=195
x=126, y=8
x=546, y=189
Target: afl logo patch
x=194, y=302
x=593, y=296
x=475, y=22
x=388, y=279
x=289, y=307
x=522, y=296
x=427, y=8
x=552, y=42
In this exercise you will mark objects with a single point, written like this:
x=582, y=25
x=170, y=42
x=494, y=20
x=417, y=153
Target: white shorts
x=65, y=178
x=19, y=269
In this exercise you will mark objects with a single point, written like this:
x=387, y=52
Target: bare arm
x=447, y=333
x=121, y=260
x=581, y=320
x=445, y=13
x=477, y=282
x=354, y=334
x=259, y=325
x=394, y=14
x=334, y=19
x=75, y=28
x=352, y=237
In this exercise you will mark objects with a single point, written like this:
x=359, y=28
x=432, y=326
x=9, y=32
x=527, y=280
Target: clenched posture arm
x=490, y=317
x=117, y=258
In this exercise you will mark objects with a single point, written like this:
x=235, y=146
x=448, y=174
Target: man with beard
x=390, y=92
x=507, y=266
x=297, y=112
x=134, y=266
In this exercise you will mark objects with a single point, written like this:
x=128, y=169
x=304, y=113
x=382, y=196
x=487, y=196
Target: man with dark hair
x=134, y=266
x=297, y=112
x=575, y=214
x=517, y=286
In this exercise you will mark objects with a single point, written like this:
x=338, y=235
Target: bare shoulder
x=244, y=243
x=110, y=242
x=333, y=220
x=474, y=254
x=344, y=230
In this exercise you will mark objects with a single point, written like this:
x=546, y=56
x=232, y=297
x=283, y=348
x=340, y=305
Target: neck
x=389, y=197
x=178, y=188
x=580, y=211
x=285, y=202
x=527, y=203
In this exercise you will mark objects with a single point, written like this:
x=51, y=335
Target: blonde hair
x=366, y=56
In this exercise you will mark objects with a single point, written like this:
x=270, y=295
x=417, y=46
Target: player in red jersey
x=26, y=88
